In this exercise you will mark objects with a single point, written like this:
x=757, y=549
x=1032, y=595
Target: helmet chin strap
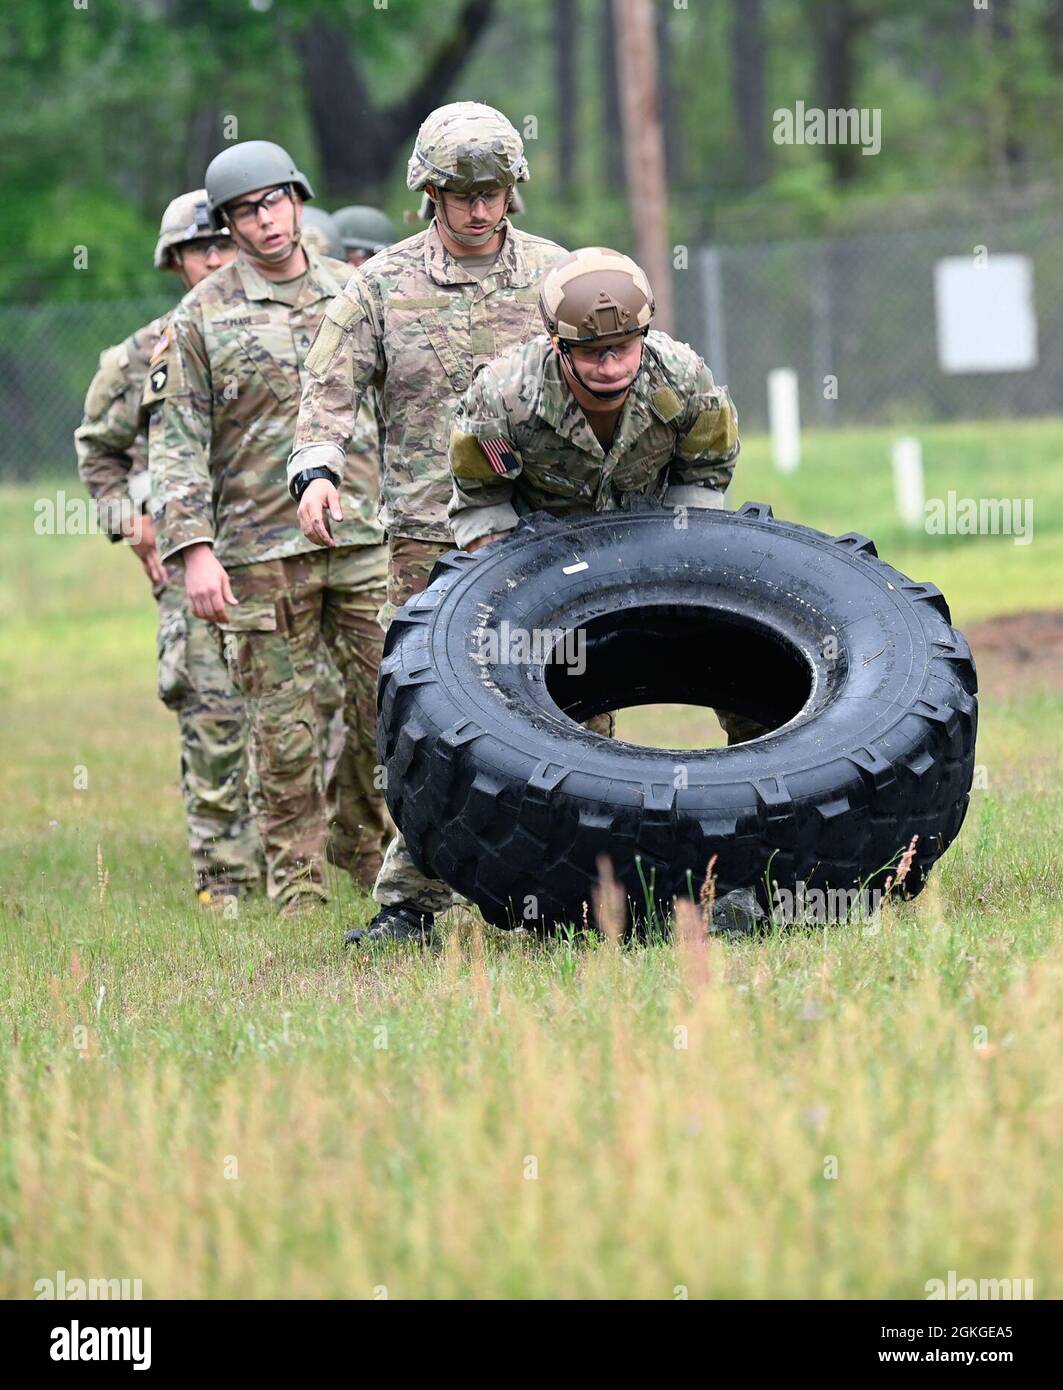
x=268, y=257
x=566, y=353
x=467, y=238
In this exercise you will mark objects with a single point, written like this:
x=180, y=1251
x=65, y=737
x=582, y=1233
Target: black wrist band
x=302, y=481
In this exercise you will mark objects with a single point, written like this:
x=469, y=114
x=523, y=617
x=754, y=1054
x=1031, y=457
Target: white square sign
x=985, y=314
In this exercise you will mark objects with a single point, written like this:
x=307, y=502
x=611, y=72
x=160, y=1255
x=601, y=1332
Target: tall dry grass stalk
x=520, y=1143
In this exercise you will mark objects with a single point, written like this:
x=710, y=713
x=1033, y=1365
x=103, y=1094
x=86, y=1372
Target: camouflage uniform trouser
x=340, y=763
x=286, y=609
x=738, y=728
x=194, y=682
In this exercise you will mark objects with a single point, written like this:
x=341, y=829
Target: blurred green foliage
x=109, y=107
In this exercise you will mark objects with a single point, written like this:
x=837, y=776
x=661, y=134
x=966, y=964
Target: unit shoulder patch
x=665, y=404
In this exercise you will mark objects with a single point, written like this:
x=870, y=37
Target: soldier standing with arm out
x=112, y=453
x=600, y=409
x=224, y=390
x=416, y=322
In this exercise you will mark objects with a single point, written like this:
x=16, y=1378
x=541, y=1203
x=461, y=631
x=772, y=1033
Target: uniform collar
x=318, y=282
x=446, y=269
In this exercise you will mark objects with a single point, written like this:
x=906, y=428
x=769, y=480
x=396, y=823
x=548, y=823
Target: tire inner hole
x=678, y=655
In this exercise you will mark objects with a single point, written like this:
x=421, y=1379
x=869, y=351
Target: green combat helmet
x=185, y=219
x=321, y=232
x=462, y=147
x=244, y=167
x=365, y=229
x=595, y=297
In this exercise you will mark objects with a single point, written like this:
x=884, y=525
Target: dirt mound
x=1018, y=653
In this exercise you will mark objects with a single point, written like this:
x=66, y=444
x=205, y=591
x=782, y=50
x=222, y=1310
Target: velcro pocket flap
x=252, y=615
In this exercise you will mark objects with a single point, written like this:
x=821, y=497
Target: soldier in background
x=364, y=231
x=321, y=232
x=416, y=322
x=111, y=448
x=223, y=393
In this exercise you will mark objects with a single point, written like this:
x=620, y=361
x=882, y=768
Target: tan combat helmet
x=595, y=297
x=462, y=147
x=186, y=219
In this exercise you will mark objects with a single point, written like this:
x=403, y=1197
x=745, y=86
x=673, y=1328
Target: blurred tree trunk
x=644, y=147
x=614, y=172
x=1012, y=152
x=673, y=133
x=836, y=27
x=565, y=38
x=202, y=143
x=1052, y=25
x=359, y=143
x=750, y=88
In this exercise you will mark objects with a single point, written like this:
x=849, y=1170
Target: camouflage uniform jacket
x=676, y=440
x=416, y=325
x=223, y=391
x=111, y=442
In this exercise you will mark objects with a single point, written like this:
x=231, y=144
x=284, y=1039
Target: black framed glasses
x=248, y=210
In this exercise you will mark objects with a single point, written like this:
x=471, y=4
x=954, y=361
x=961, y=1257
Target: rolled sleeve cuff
x=168, y=550
x=470, y=523
x=693, y=495
x=328, y=456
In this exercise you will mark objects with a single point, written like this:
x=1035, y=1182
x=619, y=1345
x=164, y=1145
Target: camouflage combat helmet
x=466, y=145
x=365, y=228
x=243, y=168
x=321, y=233
x=597, y=296
x=185, y=219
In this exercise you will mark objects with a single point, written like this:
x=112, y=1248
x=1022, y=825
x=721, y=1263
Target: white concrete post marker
x=784, y=417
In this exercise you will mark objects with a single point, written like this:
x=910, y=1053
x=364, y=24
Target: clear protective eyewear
x=250, y=208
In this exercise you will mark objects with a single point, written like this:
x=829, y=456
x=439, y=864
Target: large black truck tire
x=866, y=688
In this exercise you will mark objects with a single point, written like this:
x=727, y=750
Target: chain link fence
x=48, y=356
x=859, y=309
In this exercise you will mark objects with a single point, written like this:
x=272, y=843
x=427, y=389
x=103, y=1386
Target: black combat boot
x=394, y=923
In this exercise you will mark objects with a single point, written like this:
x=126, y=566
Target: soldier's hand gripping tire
x=867, y=690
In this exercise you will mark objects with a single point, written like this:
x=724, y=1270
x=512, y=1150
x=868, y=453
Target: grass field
x=236, y=1108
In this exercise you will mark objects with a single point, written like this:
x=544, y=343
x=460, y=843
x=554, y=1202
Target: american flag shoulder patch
x=500, y=456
